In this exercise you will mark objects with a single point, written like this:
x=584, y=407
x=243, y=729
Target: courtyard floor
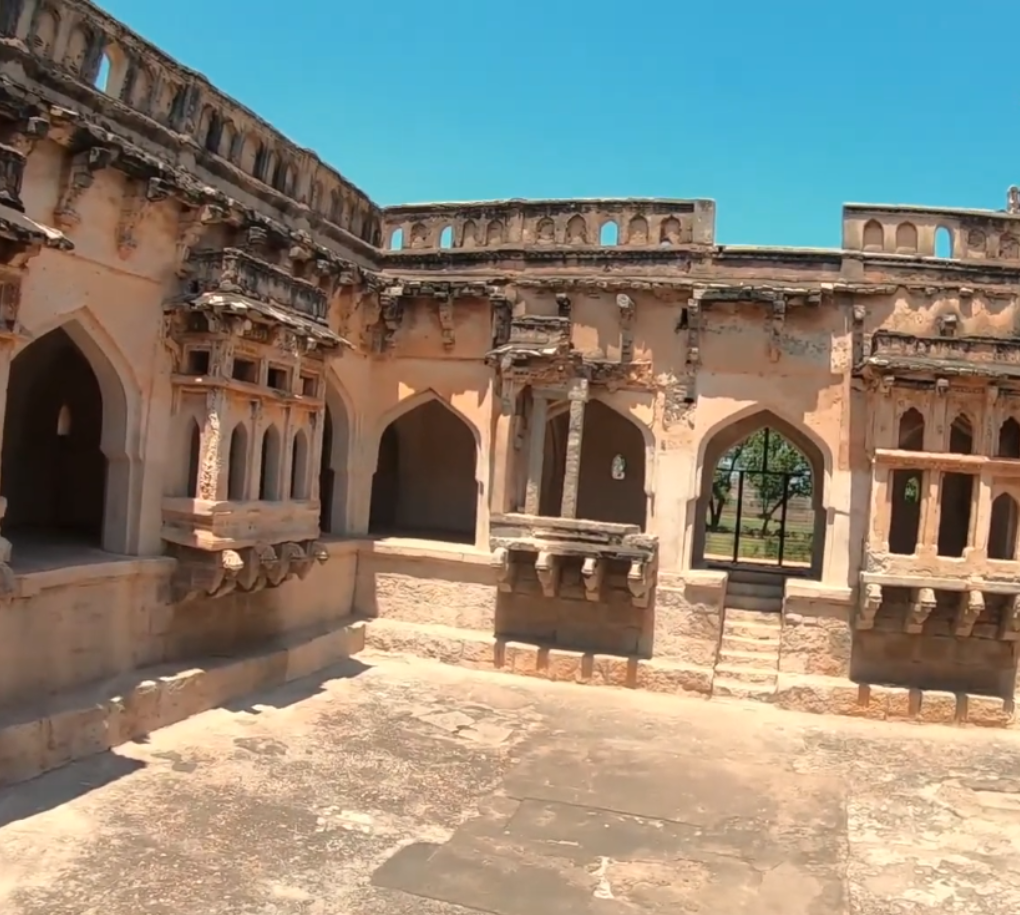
x=390, y=786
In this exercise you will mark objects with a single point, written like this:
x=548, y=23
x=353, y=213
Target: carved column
x=981, y=515
x=315, y=458
x=881, y=509
x=931, y=510
x=215, y=448
x=536, y=452
x=502, y=453
x=578, y=397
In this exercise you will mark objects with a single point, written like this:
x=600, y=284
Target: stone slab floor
x=389, y=786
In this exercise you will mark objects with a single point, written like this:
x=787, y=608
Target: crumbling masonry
x=245, y=410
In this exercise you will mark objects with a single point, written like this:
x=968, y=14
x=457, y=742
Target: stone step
x=754, y=589
x=739, y=615
x=768, y=642
x=756, y=577
x=739, y=674
x=734, y=689
x=765, y=659
x=754, y=604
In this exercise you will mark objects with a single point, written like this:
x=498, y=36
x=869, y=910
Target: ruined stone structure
x=245, y=407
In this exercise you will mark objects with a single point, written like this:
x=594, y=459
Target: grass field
x=753, y=546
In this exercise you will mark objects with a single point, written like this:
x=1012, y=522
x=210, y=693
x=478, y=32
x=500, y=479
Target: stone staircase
x=748, y=661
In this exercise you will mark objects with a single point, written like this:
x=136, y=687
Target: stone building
x=246, y=409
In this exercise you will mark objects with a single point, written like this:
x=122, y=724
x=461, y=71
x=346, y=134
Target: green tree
x=722, y=486
x=788, y=474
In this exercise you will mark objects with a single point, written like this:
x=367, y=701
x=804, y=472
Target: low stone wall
x=688, y=612
x=816, y=636
x=44, y=736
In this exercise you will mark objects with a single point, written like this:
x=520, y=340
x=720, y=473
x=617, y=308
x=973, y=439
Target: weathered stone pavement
x=405, y=787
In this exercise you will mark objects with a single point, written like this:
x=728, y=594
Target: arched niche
x=804, y=486
x=269, y=479
x=1002, y=528
x=65, y=468
x=299, y=469
x=910, y=434
x=425, y=482
x=237, y=465
x=335, y=461
x=611, y=484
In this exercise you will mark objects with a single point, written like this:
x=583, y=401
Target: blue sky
x=779, y=111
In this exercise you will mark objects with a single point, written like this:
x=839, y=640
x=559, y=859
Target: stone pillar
x=287, y=456
x=980, y=517
x=578, y=397
x=315, y=457
x=536, y=452
x=878, y=537
x=6, y=355
x=213, y=454
x=502, y=456
x=931, y=511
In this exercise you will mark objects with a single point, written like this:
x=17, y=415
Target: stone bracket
x=446, y=322
x=921, y=608
x=209, y=574
x=869, y=606
x=548, y=567
x=78, y=178
x=593, y=572
x=506, y=572
x=972, y=605
x=136, y=203
x=639, y=582
x=627, y=309
x=192, y=227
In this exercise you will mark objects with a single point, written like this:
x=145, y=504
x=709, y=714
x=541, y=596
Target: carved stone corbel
x=202, y=574
x=502, y=562
x=625, y=306
x=858, y=314
x=563, y=305
x=548, y=568
x=502, y=313
x=972, y=605
x=941, y=386
x=138, y=197
x=869, y=606
x=78, y=178
x=446, y=322
x=886, y=385
x=391, y=313
x=192, y=227
x=24, y=138
x=694, y=316
x=921, y=608
x=593, y=573
x=1009, y=625
x=777, y=323
x=639, y=583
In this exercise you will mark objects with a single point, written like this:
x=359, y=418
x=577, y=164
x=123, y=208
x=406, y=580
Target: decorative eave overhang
x=899, y=355
x=17, y=228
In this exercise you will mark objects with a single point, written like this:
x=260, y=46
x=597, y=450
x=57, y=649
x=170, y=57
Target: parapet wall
x=525, y=223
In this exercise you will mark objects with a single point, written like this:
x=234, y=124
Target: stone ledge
x=84, y=722
x=463, y=648
x=834, y=696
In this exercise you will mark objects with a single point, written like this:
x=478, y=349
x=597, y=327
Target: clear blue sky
x=779, y=111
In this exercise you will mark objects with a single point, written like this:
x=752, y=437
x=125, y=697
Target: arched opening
x=611, y=476
x=874, y=236
x=761, y=505
x=609, y=234
x=906, y=238
x=911, y=432
x=1009, y=439
x=957, y=493
x=1002, y=529
x=943, y=242
x=237, y=483
x=424, y=484
x=54, y=468
x=194, y=459
x=102, y=81
x=397, y=240
x=299, y=467
x=213, y=133
x=446, y=237
x=905, y=512
x=269, y=480
x=333, y=465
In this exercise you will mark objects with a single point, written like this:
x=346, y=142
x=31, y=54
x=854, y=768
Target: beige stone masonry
x=89, y=721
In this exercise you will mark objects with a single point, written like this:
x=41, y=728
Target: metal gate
x=765, y=515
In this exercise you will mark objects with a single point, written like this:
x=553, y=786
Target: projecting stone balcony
x=233, y=271
x=902, y=354
x=602, y=555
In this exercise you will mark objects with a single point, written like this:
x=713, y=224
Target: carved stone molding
x=922, y=605
x=593, y=572
x=136, y=203
x=871, y=601
x=502, y=561
x=547, y=568
x=972, y=605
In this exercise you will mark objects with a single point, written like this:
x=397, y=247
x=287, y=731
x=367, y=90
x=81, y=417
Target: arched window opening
x=961, y=435
x=943, y=242
x=911, y=437
x=269, y=481
x=194, y=459
x=397, y=240
x=1009, y=439
x=54, y=469
x=446, y=237
x=299, y=467
x=237, y=483
x=905, y=514
x=955, y=506
x=102, y=81
x=213, y=133
x=874, y=236
x=1003, y=528
x=424, y=484
x=609, y=234
x=761, y=508
x=611, y=476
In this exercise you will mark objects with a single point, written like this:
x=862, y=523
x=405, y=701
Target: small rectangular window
x=278, y=378
x=198, y=362
x=245, y=370
x=309, y=385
